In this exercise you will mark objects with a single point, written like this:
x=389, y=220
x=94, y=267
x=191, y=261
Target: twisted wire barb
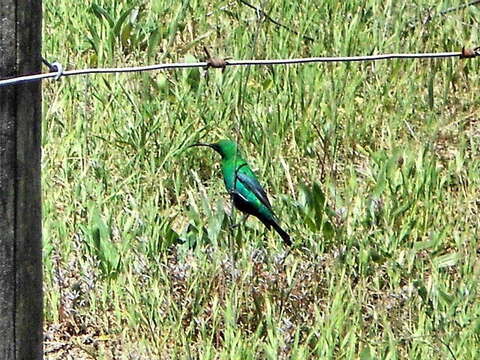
x=465, y=53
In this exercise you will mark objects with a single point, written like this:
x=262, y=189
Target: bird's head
x=226, y=148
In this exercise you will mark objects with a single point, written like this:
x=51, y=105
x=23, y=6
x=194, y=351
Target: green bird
x=243, y=186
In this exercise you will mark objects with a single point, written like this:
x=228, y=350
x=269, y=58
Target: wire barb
x=215, y=63
x=468, y=53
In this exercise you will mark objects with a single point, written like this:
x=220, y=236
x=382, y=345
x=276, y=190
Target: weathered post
x=20, y=208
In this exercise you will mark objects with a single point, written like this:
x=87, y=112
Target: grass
x=374, y=168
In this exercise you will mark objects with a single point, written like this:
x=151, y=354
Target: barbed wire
x=59, y=72
x=430, y=15
x=272, y=20
x=461, y=7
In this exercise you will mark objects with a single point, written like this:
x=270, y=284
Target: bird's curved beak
x=213, y=146
x=200, y=144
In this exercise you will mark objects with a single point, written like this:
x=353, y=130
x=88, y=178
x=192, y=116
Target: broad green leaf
x=446, y=260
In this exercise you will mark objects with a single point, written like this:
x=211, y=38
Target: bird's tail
x=286, y=238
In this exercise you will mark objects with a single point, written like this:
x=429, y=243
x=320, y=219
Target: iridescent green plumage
x=242, y=184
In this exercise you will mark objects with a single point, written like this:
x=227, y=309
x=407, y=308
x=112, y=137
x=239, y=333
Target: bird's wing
x=252, y=184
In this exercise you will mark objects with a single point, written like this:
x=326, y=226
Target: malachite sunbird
x=243, y=186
